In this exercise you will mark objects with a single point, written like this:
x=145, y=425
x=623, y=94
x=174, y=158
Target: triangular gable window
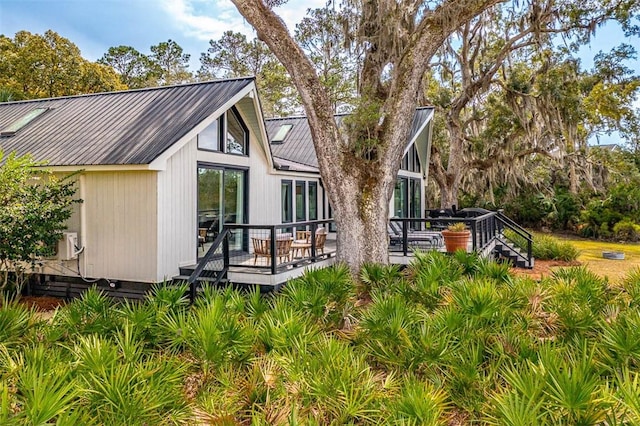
x=11, y=129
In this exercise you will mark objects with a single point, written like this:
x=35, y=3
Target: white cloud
x=293, y=11
x=209, y=19
x=205, y=19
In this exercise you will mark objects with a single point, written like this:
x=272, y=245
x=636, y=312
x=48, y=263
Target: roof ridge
x=142, y=89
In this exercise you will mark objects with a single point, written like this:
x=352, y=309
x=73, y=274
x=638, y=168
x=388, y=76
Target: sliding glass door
x=222, y=198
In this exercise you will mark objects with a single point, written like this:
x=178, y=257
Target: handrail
x=485, y=230
x=220, y=239
x=520, y=231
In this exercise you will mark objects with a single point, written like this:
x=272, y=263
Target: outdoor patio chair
x=302, y=245
x=262, y=248
x=428, y=239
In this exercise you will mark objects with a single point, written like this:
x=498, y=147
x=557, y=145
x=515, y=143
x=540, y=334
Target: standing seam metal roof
x=298, y=144
x=115, y=128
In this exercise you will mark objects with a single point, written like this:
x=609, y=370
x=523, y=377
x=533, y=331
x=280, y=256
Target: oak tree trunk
x=359, y=182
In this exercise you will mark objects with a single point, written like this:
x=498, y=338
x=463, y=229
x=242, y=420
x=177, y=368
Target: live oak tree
x=48, y=65
x=359, y=161
x=509, y=54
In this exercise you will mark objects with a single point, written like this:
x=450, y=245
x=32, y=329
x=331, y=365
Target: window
x=407, y=198
x=11, y=129
x=282, y=133
x=287, y=201
x=228, y=128
x=410, y=161
x=415, y=198
x=209, y=138
x=400, y=208
x=301, y=213
x=237, y=134
x=313, y=200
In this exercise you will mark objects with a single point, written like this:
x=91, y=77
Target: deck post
x=225, y=251
x=405, y=241
x=474, y=235
x=314, y=227
x=273, y=250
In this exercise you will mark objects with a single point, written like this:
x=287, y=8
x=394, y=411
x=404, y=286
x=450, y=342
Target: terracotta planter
x=456, y=240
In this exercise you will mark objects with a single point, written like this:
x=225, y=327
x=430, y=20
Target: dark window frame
x=304, y=200
x=222, y=134
x=223, y=168
x=289, y=183
x=310, y=198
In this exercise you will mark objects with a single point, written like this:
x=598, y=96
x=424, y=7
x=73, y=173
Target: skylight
x=22, y=121
x=282, y=133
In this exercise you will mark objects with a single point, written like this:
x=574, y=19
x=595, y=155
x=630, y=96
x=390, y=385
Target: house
x=161, y=170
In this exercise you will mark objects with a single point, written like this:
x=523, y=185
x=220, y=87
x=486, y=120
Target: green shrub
x=625, y=230
x=34, y=208
x=547, y=247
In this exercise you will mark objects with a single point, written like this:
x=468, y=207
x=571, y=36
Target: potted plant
x=456, y=237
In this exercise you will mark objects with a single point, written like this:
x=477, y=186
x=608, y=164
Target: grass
x=591, y=256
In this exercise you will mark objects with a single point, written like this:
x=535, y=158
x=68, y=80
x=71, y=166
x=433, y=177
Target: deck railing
x=276, y=248
x=486, y=230
x=279, y=247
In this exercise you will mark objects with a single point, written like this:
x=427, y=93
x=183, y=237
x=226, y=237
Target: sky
x=96, y=25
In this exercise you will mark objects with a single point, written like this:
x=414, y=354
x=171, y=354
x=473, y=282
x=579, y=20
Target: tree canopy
x=37, y=66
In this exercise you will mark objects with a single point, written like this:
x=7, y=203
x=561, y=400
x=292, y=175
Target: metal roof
x=128, y=127
x=298, y=147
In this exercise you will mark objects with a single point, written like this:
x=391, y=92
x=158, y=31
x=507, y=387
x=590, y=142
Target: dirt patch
x=42, y=303
x=543, y=268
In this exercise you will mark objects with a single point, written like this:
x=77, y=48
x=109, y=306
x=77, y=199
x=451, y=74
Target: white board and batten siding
x=121, y=225
x=177, y=203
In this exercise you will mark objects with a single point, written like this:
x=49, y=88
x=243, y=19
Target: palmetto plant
x=578, y=298
x=388, y=330
x=338, y=383
x=376, y=276
x=418, y=403
x=218, y=336
x=445, y=340
x=36, y=385
x=16, y=321
x=620, y=342
x=137, y=393
x=286, y=330
x=93, y=312
x=573, y=387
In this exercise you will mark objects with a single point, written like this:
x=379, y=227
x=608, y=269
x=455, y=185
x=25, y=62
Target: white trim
x=100, y=168
x=300, y=173
x=263, y=130
x=420, y=130
x=406, y=173
x=160, y=162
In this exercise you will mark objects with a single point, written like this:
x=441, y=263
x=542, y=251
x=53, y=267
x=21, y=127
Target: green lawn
x=591, y=256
